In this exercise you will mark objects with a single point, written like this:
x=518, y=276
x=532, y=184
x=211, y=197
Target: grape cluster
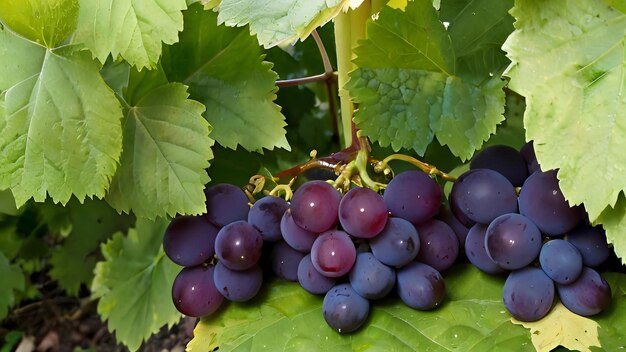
x=546, y=246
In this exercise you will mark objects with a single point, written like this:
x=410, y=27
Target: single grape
x=333, y=253
x=295, y=236
x=238, y=245
x=591, y=242
x=589, y=295
x=397, y=244
x=190, y=240
x=362, y=213
x=512, y=241
x=477, y=253
x=460, y=230
x=225, y=203
x=439, y=246
x=528, y=153
x=542, y=202
x=420, y=286
x=413, y=196
x=315, y=206
x=238, y=285
x=344, y=310
x=266, y=214
x=561, y=261
x=194, y=292
x=503, y=159
x=482, y=195
x=528, y=294
x=311, y=280
x=285, y=261
x=370, y=278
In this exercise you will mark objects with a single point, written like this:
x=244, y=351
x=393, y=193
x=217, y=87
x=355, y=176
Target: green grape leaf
x=612, y=321
x=133, y=284
x=416, y=80
x=166, y=152
x=46, y=22
x=61, y=130
x=225, y=71
x=12, y=280
x=568, y=61
x=613, y=220
x=287, y=318
x=617, y=4
x=274, y=22
x=91, y=224
x=132, y=29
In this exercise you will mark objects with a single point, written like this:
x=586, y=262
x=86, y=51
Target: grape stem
x=383, y=166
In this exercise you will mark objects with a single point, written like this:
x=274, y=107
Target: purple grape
x=512, y=241
x=591, y=243
x=561, y=261
x=194, y=292
x=238, y=285
x=503, y=159
x=315, y=206
x=285, y=261
x=344, y=310
x=439, y=246
x=398, y=243
x=266, y=214
x=528, y=294
x=413, y=196
x=589, y=295
x=477, y=253
x=363, y=213
x=420, y=286
x=370, y=278
x=311, y=280
x=542, y=201
x=190, y=240
x=333, y=253
x=226, y=203
x=528, y=153
x=238, y=245
x=482, y=195
x=295, y=236
x=460, y=230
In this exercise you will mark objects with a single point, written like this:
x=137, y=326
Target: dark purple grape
x=528, y=153
x=285, y=261
x=295, y=236
x=333, y=253
x=503, y=159
x=420, y=286
x=238, y=285
x=362, y=213
x=370, y=278
x=238, y=245
x=226, y=203
x=460, y=230
x=589, y=295
x=561, y=261
x=265, y=215
x=591, y=243
x=477, y=253
x=439, y=246
x=413, y=196
x=512, y=241
x=528, y=294
x=397, y=244
x=542, y=201
x=482, y=195
x=344, y=310
x=190, y=240
x=311, y=280
x=194, y=292
x=315, y=206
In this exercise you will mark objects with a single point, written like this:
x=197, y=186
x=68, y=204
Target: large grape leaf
x=416, y=80
x=60, y=131
x=132, y=29
x=166, y=151
x=287, y=318
x=568, y=60
x=12, y=279
x=223, y=68
x=133, y=284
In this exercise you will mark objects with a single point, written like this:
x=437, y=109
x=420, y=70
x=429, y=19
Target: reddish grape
x=238, y=245
x=315, y=205
x=362, y=213
x=194, y=292
x=333, y=254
